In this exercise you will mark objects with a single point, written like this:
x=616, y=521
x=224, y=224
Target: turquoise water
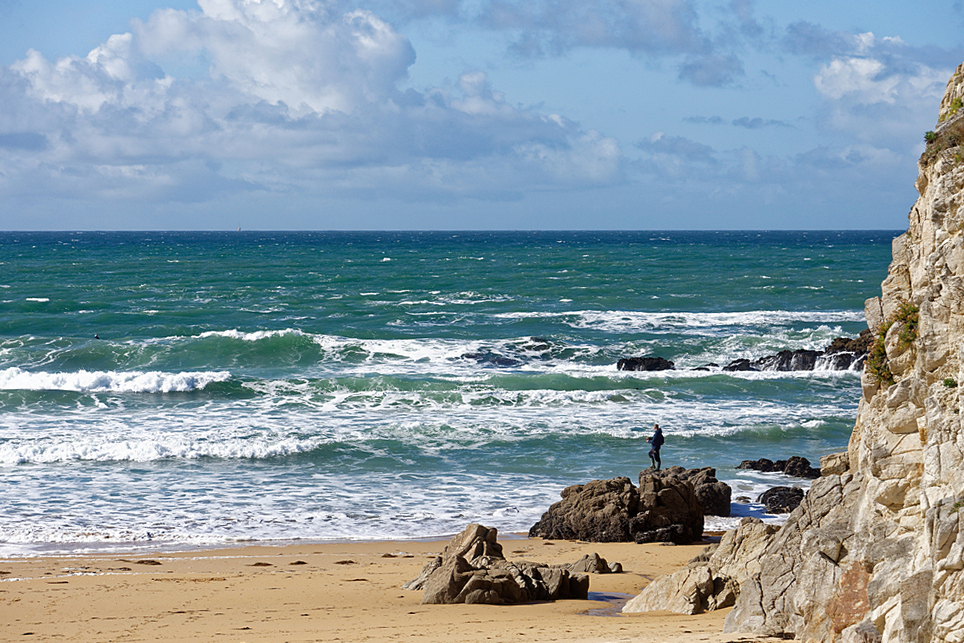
x=278, y=386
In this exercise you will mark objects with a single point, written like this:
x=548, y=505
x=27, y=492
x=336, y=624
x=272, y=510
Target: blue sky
x=467, y=114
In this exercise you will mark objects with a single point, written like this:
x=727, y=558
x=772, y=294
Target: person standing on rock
x=656, y=441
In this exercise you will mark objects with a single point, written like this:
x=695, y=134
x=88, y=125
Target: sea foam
x=108, y=381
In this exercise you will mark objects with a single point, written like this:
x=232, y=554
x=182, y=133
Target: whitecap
x=15, y=378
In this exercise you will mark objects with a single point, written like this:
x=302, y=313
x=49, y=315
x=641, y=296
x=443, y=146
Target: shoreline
x=16, y=551
x=346, y=591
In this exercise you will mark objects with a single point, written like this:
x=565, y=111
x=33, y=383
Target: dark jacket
x=657, y=439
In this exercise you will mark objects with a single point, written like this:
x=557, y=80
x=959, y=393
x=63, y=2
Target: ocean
x=181, y=389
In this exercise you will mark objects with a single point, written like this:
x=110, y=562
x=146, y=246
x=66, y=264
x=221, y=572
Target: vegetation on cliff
x=907, y=316
x=948, y=137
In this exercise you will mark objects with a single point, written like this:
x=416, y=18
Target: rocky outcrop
x=598, y=511
x=834, y=464
x=644, y=364
x=665, y=508
x=843, y=353
x=714, y=496
x=669, y=510
x=781, y=500
x=793, y=466
x=712, y=580
x=877, y=553
x=472, y=569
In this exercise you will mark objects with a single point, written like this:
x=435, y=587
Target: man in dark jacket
x=657, y=442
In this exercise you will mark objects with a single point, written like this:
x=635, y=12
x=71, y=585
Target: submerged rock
x=644, y=364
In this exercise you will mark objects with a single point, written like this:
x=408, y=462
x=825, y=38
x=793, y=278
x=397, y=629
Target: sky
x=468, y=114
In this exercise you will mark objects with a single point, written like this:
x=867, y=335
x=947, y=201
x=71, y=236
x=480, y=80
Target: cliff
x=877, y=553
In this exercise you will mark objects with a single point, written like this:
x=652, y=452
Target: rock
x=447, y=580
x=669, y=510
x=876, y=552
x=644, y=364
x=859, y=345
x=800, y=468
x=763, y=464
x=740, y=365
x=843, y=353
x=685, y=592
x=713, y=579
x=474, y=544
x=492, y=358
x=798, y=360
x=781, y=500
x=598, y=511
x=591, y=564
x=834, y=464
x=714, y=496
x=488, y=578
x=794, y=466
x=664, y=509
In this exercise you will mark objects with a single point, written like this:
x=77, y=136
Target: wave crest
x=109, y=381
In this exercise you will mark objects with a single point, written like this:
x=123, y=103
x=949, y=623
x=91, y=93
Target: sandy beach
x=324, y=592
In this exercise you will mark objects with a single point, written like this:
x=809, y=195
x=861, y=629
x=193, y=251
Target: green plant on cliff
x=908, y=316
x=952, y=109
x=877, y=364
x=950, y=136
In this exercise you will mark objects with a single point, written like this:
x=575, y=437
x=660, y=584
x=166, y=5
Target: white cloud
x=881, y=99
x=293, y=96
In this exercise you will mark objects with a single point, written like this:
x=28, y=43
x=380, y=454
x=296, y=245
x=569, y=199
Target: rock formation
x=793, y=466
x=843, y=353
x=781, y=500
x=472, y=569
x=598, y=511
x=644, y=364
x=714, y=496
x=711, y=580
x=669, y=510
x=876, y=553
x=665, y=508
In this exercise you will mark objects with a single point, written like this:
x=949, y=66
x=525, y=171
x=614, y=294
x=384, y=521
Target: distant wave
x=104, y=381
x=622, y=320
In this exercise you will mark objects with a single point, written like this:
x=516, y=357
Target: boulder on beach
x=669, y=510
x=714, y=496
x=472, y=569
x=598, y=511
x=665, y=508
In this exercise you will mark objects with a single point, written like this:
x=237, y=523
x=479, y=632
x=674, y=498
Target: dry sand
x=324, y=592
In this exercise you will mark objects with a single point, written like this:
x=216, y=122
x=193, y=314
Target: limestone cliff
x=875, y=554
